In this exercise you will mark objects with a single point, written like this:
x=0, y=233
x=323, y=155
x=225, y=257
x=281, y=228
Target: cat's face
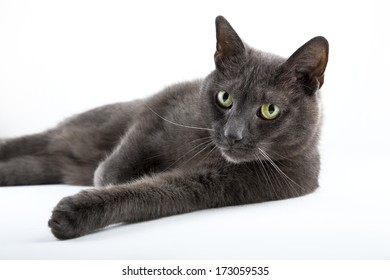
x=260, y=105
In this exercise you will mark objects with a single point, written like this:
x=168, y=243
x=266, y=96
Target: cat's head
x=260, y=105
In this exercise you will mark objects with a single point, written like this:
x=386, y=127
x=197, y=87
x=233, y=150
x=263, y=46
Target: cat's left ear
x=309, y=62
x=229, y=44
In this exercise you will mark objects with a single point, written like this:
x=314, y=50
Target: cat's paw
x=73, y=217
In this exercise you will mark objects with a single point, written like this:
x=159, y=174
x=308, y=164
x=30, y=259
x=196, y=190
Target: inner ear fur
x=308, y=63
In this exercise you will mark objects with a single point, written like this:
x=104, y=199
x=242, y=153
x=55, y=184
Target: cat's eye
x=224, y=99
x=268, y=111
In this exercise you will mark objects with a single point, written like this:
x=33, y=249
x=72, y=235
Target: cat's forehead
x=262, y=66
x=257, y=70
x=266, y=60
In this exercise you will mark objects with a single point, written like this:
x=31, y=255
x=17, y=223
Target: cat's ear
x=229, y=44
x=307, y=65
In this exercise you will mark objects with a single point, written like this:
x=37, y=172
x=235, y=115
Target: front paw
x=74, y=216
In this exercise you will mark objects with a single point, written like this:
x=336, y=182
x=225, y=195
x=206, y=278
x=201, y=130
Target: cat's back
x=102, y=127
x=92, y=134
x=116, y=118
x=102, y=115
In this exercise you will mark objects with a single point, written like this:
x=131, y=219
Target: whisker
x=178, y=124
x=209, y=153
x=194, y=148
x=257, y=174
x=268, y=178
x=207, y=146
x=277, y=176
x=279, y=170
x=166, y=153
x=284, y=161
x=280, y=156
x=181, y=146
x=260, y=165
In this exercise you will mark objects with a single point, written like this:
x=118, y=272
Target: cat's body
x=195, y=145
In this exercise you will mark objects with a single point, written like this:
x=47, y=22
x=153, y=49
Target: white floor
x=347, y=218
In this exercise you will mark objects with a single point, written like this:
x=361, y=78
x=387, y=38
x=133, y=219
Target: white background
x=58, y=58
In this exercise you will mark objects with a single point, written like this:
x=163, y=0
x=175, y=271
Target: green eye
x=269, y=111
x=224, y=99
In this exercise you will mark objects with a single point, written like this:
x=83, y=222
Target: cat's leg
x=132, y=158
x=25, y=161
x=68, y=153
x=22, y=146
x=49, y=158
x=153, y=197
x=46, y=158
x=29, y=170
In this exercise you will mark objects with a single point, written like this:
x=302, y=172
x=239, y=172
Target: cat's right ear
x=229, y=44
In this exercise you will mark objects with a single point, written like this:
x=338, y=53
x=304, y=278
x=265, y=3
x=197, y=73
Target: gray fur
x=179, y=151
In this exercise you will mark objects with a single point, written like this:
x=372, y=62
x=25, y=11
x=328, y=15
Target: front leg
x=132, y=158
x=152, y=197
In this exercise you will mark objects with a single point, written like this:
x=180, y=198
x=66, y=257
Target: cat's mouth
x=236, y=153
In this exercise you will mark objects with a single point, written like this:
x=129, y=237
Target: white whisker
x=279, y=170
x=178, y=124
x=266, y=172
x=209, y=153
x=194, y=148
x=207, y=146
x=181, y=146
x=277, y=175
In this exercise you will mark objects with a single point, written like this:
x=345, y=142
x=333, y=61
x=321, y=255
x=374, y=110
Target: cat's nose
x=232, y=137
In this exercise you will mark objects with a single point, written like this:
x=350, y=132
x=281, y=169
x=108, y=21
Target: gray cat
x=247, y=133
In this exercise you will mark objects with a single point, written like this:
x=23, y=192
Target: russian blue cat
x=246, y=133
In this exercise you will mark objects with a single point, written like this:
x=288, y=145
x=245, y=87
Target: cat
x=247, y=133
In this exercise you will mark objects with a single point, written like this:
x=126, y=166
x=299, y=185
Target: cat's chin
x=234, y=156
x=230, y=159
